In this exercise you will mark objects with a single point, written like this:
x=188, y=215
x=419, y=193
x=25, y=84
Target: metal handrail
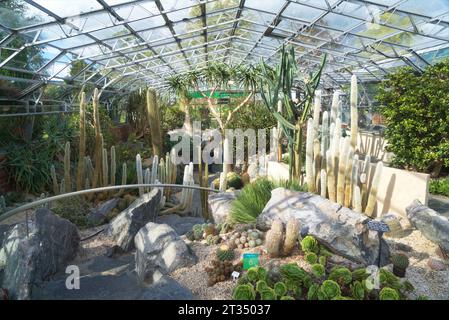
x=14, y=211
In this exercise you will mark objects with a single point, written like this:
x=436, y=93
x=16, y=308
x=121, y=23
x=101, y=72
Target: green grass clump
x=440, y=186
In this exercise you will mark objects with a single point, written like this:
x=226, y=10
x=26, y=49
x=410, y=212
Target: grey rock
x=220, y=205
x=181, y=225
x=432, y=225
x=51, y=244
x=125, y=226
x=99, y=215
x=4, y=228
x=436, y=264
x=338, y=228
x=110, y=279
x=160, y=251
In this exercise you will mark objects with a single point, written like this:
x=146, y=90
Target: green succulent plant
x=261, y=285
x=322, y=260
x=312, y=294
x=318, y=270
x=309, y=244
x=360, y=274
x=244, y=292
x=311, y=257
x=422, y=297
x=388, y=279
x=400, y=260
x=280, y=289
x=341, y=275
x=291, y=271
x=358, y=290
x=341, y=298
x=198, y=231
x=328, y=290
x=224, y=253
x=388, y=294
x=252, y=274
x=190, y=235
x=262, y=273
x=268, y=294
x=286, y=298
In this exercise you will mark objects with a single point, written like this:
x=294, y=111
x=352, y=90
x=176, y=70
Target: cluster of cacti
x=248, y=238
x=221, y=270
x=185, y=204
x=207, y=231
x=280, y=241
x=332, y=165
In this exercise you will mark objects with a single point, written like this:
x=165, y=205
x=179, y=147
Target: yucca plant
x=277, y=85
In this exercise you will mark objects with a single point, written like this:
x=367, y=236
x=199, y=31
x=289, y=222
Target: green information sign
x=218, y=94
x=250, y=260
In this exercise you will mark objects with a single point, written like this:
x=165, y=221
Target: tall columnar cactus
x=274, y=239
x=335, y=105
x=364, y=179
x=357, y=200
x=354, y=177
x=147, y=178
x=291, y=235
x=223, y=182
x=154, y=167
x=54, y=180
x=62, y=186
x=331, y=181
x=96, y=180
x=67, y=177
x=342, y=170
x=82, y=144
x=323, y=183
x=154, y=122
x=310, y=178
x=372, y=198
x=105, y=168
x=124, y=178
x=324, y=134
x=354, y=113
x=348, y=177
x=113, y=166
x=139, y=174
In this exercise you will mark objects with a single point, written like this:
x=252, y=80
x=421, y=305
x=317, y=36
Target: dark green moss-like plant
x=309, y=244
x=388, y=294
x=244, y=292
x=415, y=110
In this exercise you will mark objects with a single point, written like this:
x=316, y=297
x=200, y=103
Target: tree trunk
x=436, y=169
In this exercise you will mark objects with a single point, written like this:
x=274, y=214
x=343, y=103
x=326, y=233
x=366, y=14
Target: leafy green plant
x=309, y=244
x=328, y=290
x=358, y=290
x=318, y=270
x=268, y=294
x=311, y=257
x=244, y=292
x=280, y=289
x=440, y=186
x=341, y=275
x=415, y=109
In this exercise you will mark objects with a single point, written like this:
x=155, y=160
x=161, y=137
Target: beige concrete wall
x=397, y=188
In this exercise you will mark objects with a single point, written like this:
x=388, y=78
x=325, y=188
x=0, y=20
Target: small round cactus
x=400, y=261
x=224, y=253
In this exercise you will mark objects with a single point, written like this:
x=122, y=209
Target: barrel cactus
x=224, y=253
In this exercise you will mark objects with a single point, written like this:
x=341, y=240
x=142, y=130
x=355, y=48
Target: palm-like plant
x=276, y=85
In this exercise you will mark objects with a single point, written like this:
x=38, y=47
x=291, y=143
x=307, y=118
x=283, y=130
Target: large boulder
x=432, y=225
x=99, y=215
x=160, y=251
x=125, y=226
x=181, y=225
x=340, y=229
x=220, y=204
x=27, y=260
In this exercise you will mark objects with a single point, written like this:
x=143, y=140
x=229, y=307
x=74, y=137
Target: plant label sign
x=378, y=226
x=250, y=260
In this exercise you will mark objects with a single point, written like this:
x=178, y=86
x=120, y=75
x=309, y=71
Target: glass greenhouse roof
x=127, y=44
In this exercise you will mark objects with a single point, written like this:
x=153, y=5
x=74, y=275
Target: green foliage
x=260, y=285
x=252, y=274
x=309, y=244
x=328, y=290
x=358, y=290
x=311, y=257
x=292, y=272
x=198, y=231
x=286, y=298
x=312, y=294
x=251, y=201
x=244, y=292
x=74, y=209
x=341, y=275
x=417, y=117
x=400, y=260
x=290, y=185
x=318, y=270
x=440, y=186
x=388, y=294
x=234, y=180
x=360, y=274
x=280, y=289
x=422, y=297
x=388, y=279
x=322, y=260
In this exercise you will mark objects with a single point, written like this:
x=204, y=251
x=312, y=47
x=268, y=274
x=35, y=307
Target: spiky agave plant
x=277, y=84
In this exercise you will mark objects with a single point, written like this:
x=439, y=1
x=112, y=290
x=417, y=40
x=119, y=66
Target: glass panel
x=19, y=14
x=301, y=12
x=271, y=6
x=438, y=7
x=63, y=10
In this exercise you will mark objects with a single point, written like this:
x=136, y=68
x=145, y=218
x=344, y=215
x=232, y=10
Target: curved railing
x=36, y=203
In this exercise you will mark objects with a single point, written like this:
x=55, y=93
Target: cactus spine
x=139, y=174
x=82, y=143
x=310, y=179
x=372, y=198
x=354, y=113
x=98, y=142
x=154, y=122
x=67, y=178
x=54, y=180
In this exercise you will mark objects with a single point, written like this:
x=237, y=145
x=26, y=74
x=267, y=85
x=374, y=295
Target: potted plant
x=400, y=264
